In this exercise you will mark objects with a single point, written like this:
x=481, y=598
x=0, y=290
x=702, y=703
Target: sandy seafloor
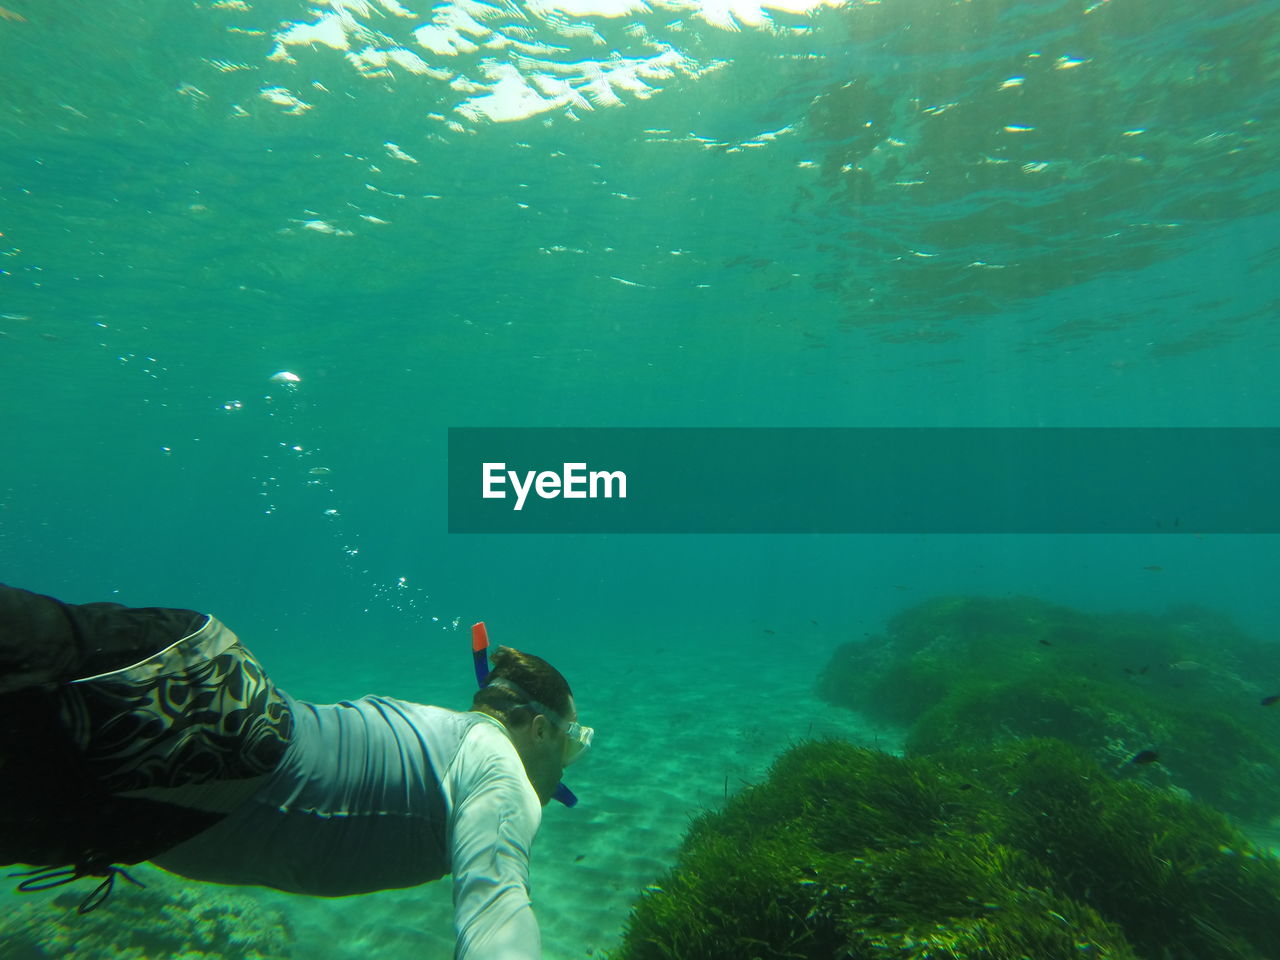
x=675, y=734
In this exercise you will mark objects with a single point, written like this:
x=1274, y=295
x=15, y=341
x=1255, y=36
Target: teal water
x=891, y=214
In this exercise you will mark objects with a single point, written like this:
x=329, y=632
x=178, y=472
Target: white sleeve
x=494, y=818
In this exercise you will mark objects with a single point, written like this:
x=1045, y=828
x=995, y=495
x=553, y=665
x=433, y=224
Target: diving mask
x=577, y=737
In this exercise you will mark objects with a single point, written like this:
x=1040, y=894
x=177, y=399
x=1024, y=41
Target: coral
x=1024, y=851
x=168, y=920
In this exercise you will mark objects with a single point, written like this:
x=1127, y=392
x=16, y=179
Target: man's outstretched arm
x=493, y=824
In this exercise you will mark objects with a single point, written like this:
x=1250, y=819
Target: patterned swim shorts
x=121, y=765
x=199, y=711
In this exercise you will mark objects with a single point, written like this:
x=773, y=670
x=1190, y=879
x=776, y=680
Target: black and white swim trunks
x=124, y=731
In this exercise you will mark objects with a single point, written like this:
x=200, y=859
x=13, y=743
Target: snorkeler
x=132, y=734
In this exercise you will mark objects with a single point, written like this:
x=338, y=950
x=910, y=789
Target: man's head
x=534, y=702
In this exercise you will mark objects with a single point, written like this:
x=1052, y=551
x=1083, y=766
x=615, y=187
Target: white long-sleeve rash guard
x=377, y=793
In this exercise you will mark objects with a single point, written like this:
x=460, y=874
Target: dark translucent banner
x=874, y=480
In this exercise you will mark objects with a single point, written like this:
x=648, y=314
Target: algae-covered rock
x=1187, y=685
x=168, y=920
x=1025, y=852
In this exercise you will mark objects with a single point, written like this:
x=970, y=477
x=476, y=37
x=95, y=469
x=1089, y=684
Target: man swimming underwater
x=131, y=734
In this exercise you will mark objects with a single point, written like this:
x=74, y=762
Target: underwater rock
x=169, y=919
x=1022, y=851
x=962, y=671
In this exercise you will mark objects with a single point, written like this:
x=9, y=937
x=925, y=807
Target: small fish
x=1186, y=665
x=579, y=858
x=966, y=786
x=1045, y=642
x=319, y=471
x=1146, y=756
x=1153, y=568
x=1268, y=701
x=10, y=15
x=769, y=632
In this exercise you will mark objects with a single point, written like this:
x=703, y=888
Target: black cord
x=46, y=878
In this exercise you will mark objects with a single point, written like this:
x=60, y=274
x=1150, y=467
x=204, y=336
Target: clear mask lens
x=577, y=739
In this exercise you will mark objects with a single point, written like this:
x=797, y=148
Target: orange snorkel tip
x=480, y=651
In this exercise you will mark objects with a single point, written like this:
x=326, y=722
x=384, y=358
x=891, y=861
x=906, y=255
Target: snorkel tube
x=480, y=657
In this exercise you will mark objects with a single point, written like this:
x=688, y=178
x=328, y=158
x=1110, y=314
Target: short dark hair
x=539, y=679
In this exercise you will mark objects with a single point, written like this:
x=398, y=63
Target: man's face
x=543, y=752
